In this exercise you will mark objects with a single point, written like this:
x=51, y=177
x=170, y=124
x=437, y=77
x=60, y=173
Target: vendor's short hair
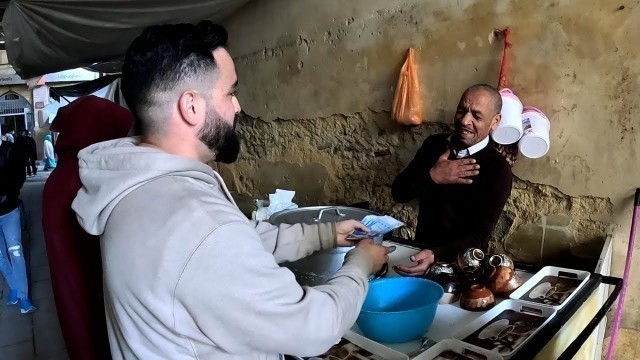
x=492, y=91
x=162, y=63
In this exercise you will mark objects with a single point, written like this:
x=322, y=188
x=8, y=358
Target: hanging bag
x=407, y=105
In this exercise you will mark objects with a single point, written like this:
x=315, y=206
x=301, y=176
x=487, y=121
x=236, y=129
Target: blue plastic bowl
x=399, y=309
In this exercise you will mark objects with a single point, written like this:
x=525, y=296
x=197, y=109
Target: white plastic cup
x=535, y=140
x=509, y=130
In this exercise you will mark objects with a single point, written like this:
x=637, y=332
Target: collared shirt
x=443, y=208
x=471, y=150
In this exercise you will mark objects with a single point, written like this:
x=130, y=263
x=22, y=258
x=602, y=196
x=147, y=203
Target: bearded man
x=186, y=275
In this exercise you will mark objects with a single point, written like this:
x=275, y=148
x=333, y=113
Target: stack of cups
x=509, y=130
x=535, y=141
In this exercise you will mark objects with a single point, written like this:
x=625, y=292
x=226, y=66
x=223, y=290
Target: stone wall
x=317, y=80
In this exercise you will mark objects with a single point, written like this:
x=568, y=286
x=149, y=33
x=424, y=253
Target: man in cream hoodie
x=186, y=275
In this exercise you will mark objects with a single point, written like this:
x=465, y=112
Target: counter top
x=450, y=317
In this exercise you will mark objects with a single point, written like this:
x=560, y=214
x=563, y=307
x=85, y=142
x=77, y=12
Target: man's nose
x=236, y=105
x=467, y=119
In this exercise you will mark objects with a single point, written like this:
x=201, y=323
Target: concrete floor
x=626, y=345
x=37, y=335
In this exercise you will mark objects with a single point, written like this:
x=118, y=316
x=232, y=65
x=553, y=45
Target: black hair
x=492, y=91
x=162, y=58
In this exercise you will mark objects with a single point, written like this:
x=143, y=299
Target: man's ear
x=191, y=107
x=496, y=121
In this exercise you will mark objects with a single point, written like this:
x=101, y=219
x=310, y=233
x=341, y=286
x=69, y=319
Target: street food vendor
x=461, y=182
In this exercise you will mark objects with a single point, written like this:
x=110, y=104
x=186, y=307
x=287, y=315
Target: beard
x=220, y=138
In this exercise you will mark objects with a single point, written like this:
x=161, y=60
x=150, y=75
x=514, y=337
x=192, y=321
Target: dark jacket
x=12, y=176
x=453, y=218
x=27, y=146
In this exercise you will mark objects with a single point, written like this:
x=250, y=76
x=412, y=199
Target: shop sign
x=73, y=75
x=11, y=79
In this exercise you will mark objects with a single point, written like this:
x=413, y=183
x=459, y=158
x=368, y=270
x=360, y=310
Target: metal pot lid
x=318, y=214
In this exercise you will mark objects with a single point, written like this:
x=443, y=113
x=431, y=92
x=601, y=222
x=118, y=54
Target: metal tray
x=460, y=348
x=507, y=327
x=551, y=287
x=374, y=347
x=354, y=346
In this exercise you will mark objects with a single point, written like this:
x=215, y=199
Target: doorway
x=16, y=113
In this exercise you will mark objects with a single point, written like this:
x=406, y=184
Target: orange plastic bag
x=407, y=106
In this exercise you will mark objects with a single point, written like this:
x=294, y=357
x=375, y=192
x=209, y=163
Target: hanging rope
x=504, y=67
x=510, y=152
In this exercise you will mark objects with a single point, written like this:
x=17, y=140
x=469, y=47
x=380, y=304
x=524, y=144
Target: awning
x=83, y=88
x=45, y=36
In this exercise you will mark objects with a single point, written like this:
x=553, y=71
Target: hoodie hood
x=111, y=170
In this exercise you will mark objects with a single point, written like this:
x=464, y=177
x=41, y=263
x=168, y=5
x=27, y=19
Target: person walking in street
x=31, y=153
x=28, y=148
x=12, y=261
x=49, y=155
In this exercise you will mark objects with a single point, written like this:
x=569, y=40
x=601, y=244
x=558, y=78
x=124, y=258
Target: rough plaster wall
x=317, y=81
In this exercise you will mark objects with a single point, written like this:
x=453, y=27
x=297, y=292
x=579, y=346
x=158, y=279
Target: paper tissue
x=281, y=200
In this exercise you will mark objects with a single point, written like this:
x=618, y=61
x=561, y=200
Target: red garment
x=74, y=256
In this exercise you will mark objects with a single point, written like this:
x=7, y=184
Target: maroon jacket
x=74, y=255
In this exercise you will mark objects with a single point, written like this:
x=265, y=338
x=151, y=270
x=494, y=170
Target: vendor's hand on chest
x=456, y=171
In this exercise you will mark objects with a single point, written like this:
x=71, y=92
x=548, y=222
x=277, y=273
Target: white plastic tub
x=509, y=130
x=535, y=141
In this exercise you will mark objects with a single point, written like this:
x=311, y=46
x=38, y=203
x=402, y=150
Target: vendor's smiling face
x=476, y=115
